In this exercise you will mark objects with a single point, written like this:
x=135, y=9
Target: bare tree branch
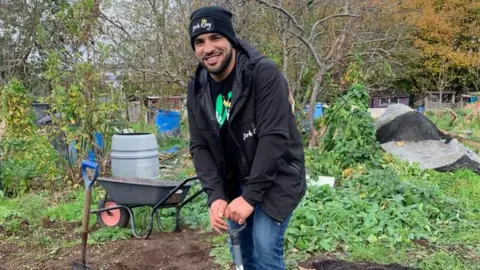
x=118, y=25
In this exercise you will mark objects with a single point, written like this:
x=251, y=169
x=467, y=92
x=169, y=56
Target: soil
x=329, y=263
x=187, y=249
x=164, y=251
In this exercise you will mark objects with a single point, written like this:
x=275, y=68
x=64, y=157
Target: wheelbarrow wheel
x=111, y=218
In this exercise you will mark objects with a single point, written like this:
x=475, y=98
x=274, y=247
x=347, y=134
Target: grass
x=462, y=123
x=463, y=185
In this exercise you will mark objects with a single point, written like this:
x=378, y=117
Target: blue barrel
x=473, y=99
x=167, y=120
x=421, y=109
x=318, y=110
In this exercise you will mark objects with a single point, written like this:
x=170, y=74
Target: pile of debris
x=411, y=136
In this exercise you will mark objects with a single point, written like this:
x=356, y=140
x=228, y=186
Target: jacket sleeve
x=204, y=163
x=272, y=110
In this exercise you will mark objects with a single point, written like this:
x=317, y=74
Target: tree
x=332, y=32
x=26, y=33
x=447, y=34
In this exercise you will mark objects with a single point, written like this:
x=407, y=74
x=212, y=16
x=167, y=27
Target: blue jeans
x=262, y=241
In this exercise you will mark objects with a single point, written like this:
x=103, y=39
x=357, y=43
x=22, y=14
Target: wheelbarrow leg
x=158, y=220
x=179, y=208
x=132, y=223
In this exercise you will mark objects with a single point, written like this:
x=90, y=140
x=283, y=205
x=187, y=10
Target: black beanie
x=211, y=19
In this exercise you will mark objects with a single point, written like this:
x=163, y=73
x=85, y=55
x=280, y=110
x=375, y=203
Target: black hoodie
x=264, y=129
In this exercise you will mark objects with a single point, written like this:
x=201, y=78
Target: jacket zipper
x=243, y=163
x=212, y=118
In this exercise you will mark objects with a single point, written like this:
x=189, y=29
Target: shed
x=384, y=98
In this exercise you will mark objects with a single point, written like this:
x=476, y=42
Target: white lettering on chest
x=250, y=133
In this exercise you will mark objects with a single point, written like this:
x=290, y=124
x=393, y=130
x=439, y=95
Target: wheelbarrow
x=123, y=194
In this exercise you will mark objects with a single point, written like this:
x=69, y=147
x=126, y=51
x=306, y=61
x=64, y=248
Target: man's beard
x=223, y=65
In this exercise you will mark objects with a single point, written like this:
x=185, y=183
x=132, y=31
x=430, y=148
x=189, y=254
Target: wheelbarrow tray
x=144, y=192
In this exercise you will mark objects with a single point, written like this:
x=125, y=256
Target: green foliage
x=319, y=163
x=444, y=260
x=16, y=111
x=350, y=138
x=79, y=93
x=84, y=107
x=195, y=214
x=272, y=52
x=69, y=209
x=221, y=256
x=375, y=208
x=109, y=234
x=22, y=217
x=27, y=156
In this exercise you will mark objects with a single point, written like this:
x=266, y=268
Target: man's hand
x=216, y=213
x=238, y=210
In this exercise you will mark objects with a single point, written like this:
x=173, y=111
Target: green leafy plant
x=350, y=138
x=374, y=208
x=27, y=155
x=350, y=131
x=109, y=234
x=221, y=252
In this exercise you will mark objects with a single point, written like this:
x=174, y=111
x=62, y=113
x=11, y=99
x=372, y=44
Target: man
x=244, y=141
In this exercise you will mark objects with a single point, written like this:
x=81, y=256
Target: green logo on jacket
x=222, y=108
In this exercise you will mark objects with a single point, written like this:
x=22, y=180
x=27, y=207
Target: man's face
x=213, y=51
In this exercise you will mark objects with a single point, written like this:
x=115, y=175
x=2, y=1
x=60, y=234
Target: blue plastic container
x=167, y=121
x=318, y=110
x=99, y=140
x=73, y=153
x=317, y=113
x=421, y=109
x=473, y=99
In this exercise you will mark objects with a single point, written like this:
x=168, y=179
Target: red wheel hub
x=111, y=217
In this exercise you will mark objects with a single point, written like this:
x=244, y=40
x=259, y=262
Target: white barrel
x=135, y=155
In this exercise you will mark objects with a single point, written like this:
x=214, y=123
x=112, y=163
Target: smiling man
x=244, y=141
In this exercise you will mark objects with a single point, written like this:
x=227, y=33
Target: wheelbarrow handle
x=86, y=180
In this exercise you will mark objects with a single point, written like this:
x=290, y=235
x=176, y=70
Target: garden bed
x=185, y=250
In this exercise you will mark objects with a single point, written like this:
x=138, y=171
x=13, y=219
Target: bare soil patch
x=167, y=251
x=329, y=263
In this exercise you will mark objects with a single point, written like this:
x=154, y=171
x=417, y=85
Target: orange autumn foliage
x=446, y=31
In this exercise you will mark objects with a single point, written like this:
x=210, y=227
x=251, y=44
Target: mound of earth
x=437, y=155
x=411, y=127
x=409, y=135
x=343, y=265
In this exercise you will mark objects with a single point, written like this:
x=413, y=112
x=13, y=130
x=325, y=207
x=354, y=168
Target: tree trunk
x=285, y=62
x=313, y=99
